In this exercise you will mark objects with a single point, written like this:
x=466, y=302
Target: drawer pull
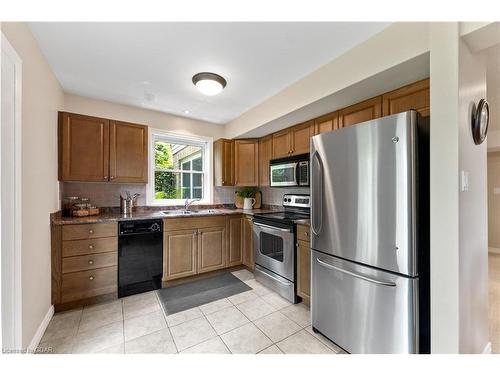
x=91, y=231
x=91, y=278
x=91, y=247
x=91, y=262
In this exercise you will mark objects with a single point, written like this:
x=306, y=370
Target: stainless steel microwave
x=289, y=171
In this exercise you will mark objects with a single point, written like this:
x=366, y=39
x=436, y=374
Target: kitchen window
x=179, y=169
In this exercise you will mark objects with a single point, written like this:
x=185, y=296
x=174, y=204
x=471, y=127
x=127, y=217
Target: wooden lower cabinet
x=193, y=245
x=84, y=264
x=211, y=249
x=304, y=271
x=248, y=259
x=234, y=228
x=180, y=253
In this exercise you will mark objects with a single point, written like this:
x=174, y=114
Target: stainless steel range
x=274, y=236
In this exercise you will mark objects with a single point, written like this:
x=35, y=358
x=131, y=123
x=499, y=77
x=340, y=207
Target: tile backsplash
x=102, y=194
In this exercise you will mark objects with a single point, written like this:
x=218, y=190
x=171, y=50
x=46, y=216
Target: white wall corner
x=35, y=341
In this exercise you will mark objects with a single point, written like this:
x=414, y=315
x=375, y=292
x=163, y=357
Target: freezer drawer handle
x=375, y=281
x=271, y=227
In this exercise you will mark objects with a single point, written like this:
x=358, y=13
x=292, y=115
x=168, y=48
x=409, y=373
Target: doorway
x=10, y=203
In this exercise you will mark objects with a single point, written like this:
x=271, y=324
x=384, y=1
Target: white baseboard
x=494, y=250
x=41, y=330
x=487, y=348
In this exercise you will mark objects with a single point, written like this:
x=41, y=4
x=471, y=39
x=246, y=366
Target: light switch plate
x=464, y=177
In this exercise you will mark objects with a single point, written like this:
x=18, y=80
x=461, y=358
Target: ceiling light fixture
x=209, y=84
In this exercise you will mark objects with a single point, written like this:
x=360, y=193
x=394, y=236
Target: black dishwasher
x=140, y=256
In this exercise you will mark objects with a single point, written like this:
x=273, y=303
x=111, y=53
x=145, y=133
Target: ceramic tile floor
x=494, y=301
x=256, y=321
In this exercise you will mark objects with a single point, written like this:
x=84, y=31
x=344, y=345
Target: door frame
x=11, y=149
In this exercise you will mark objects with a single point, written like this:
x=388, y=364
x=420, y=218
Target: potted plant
x=248, y=195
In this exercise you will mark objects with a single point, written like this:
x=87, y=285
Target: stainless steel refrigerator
x=370, y=235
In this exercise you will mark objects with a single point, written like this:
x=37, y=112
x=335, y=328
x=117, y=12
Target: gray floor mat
x=196, y=293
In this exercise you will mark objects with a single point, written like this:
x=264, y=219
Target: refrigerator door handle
x=357, y=275
x=317, y=196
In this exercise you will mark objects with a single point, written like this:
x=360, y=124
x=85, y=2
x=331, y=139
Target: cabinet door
x=224, y=162
x=415, y=96
x=246, y=160
x=282, y=145
x=301, y=137
x=234, y=240
x=265, y=155
x=326, y=123
x=368, y=110
x=179, y=254
x=83, y=148
x=211, y=249
x=304, y=271
x=128, y=152
x=248, y=243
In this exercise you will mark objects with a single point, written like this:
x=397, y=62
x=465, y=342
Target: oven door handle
x=273, y=228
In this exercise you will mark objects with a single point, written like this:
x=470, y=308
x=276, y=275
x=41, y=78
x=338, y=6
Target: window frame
x=206, y=143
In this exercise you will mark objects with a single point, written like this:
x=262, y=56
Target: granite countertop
x=142, y=213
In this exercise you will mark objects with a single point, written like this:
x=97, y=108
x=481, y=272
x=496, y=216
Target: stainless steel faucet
x=189, y=203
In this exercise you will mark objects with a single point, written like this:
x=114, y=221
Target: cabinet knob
x=91, y=262
x=223, y=182
x=105, y=178
x=111, y=177
x=91, y=247
x=91, y=278
x=307, y=234
x=91, y=231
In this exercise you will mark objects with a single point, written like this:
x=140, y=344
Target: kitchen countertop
x=143, y=213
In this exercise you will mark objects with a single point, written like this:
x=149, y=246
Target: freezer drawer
x=361, y=309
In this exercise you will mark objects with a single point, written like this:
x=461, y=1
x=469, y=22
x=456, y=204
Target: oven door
x=274, y=249
x=284, y=174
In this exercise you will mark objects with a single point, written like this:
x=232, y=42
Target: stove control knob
x=155, y=227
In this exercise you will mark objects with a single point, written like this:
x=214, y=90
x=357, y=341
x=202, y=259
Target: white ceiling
x=150, y=65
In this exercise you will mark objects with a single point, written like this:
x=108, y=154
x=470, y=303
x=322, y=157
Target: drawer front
x=86, y=231
x=85, y=284
x=89, y=262
x=303, y=233
x=93, y=246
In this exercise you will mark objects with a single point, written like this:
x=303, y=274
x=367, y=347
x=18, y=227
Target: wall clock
x=480, y=120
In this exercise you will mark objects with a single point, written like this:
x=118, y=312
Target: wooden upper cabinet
x=265, y=155
x=224, y=162
x=282, y=144
x=128, y=152
x=96, y=149
x=301, y=137
x=246, y=162
x=414, y=96
x=368, y=110
x=83, y=148
x=326, y=123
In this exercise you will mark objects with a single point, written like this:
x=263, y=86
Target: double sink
x=204, y=212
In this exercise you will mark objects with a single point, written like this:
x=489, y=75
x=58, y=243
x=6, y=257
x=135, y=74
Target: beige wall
x=473, y=253
x=396, y=44
x=155, y=119
x=42, y=97
x=494, y=199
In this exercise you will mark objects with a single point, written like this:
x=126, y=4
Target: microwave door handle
x=316, y=193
